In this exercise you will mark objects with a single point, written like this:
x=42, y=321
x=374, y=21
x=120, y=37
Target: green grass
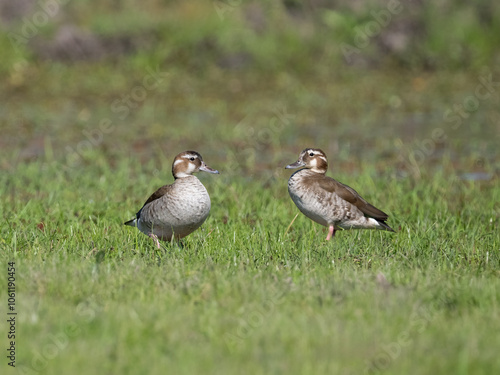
x=242, y=295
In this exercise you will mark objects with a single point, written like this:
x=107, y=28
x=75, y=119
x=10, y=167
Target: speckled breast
x=180, y=212
x=315, y=203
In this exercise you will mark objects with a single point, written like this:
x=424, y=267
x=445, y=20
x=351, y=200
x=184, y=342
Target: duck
x=329, y=202
x=175, y=211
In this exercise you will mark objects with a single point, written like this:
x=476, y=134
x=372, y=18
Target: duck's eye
x=191, y=158
x=311, y=154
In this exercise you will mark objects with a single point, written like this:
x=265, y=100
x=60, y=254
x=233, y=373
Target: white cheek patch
x=191, y=168
x=316, y=166
x=187, y=171
x=184, y=168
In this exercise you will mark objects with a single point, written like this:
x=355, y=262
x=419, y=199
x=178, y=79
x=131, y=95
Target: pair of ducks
x=176, y=210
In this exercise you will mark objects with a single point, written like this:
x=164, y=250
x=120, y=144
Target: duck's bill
x=206, y=168
x=297, y=164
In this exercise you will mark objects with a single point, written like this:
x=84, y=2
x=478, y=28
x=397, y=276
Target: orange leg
x=153, y=236
x=331, y=233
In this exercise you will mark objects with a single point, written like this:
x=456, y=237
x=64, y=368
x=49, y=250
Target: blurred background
x=96, y=99
x=406, y=86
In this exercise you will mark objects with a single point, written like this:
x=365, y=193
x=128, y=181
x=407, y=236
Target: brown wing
x=350, y=195
x=156, y=195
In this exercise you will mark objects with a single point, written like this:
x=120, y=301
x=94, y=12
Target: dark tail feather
x=132, y=222
x=386, y=227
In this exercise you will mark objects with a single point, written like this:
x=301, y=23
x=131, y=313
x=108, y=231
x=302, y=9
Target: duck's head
x=189, y=162
x=313, y=159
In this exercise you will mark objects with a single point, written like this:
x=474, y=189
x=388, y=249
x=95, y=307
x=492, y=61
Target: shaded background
x=251, y=83
x=96, y=98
